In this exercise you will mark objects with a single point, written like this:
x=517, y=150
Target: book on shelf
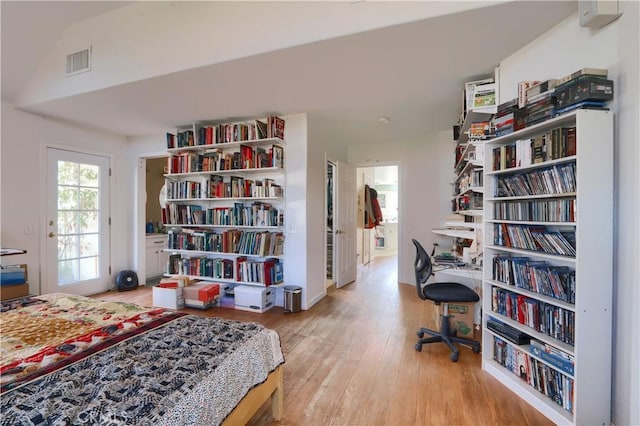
x=277, y=154
x=553, y=356
x=261, y=129
x=484, y=95
x=469, y=92
x=510, y=333
x=540, y=87
x=584, y=71
x=275, y=127
x=522, y=91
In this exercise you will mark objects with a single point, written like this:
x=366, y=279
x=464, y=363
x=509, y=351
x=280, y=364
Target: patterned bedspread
x=74, y=360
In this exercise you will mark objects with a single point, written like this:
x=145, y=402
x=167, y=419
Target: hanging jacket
x=377, y=212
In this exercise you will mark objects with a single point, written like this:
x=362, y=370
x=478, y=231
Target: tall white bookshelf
x=225, y=202
x=584, y=333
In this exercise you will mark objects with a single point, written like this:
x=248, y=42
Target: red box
x=169, y=285
x=205, y=292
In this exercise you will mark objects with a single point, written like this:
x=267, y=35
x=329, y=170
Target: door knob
x=51, y=235
x=338, y=231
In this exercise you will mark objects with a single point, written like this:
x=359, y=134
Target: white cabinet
x=156, y=257
x=548, y=264
x=225, y=202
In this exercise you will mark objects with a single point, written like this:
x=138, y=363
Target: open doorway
x=377, y=186
x=155, y=256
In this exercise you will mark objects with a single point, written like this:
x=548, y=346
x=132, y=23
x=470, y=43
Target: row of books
x=540, y=277
x=545, y=318
x=256, y=243
x=556, y=210
x=266, y=272
x=545, y=379
x=560, y=179
x=255, y=214
x=216, y=186
x=551, y=355
x=228, y=132
x=507, y=119
x=538, y=101
x=535, y=238
x=215, y=159
x=557, y=143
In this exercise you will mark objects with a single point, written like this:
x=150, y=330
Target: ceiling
x=411, y=73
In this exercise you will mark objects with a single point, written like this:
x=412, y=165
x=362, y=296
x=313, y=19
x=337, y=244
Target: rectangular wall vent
x=79, y=62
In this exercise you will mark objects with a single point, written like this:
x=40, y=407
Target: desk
x=461, y=271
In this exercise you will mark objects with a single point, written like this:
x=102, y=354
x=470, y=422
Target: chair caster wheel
x=454, y=357
x=475, y=349
x=418, y=347
x=420, y=334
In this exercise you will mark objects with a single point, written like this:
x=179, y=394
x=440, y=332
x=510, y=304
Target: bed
x=75, y=360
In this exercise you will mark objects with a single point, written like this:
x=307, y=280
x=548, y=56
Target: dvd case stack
x=504, y=120
x=541, y=102
x=585, y=88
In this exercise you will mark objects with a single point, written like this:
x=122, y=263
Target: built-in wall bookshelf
x=225, y=201
x=547, y=266
x=473, y=129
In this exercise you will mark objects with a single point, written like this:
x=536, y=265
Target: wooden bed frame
x=272, y=388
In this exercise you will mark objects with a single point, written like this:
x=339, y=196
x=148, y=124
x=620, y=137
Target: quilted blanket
x=74, y=360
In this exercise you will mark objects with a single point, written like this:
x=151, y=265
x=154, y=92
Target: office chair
x=441, y=293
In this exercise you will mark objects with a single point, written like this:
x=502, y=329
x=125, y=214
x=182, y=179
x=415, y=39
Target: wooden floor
x=350, y=361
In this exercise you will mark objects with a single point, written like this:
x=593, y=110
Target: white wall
x=25, y=138
x=425, y=173
x=564, y=49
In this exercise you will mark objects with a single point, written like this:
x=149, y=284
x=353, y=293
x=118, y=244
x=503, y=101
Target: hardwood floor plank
x=350, y=360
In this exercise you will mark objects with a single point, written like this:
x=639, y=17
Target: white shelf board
x=205, y=226
x=194, y=253
x=531, y=197
x=472, y=117
x=536, y=254
x=455, y=233
x=470, y=212
x=227, y=145
x=533, y=294
x=186, y=200
x=544, y=164
x=225, y=172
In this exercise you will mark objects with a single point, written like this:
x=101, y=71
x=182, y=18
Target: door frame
x=400, y=256
x=43, y=207
x=139, y=226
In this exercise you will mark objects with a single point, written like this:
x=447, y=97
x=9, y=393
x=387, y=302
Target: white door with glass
x=77, y=228
x=345, y=226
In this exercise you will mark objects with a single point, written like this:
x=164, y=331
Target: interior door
x=345, y=224
x=77, y=228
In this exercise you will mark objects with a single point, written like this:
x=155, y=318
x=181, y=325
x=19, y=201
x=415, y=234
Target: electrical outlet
x=30, y=229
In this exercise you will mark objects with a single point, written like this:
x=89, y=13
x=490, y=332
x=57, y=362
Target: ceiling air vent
x=79, y=62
